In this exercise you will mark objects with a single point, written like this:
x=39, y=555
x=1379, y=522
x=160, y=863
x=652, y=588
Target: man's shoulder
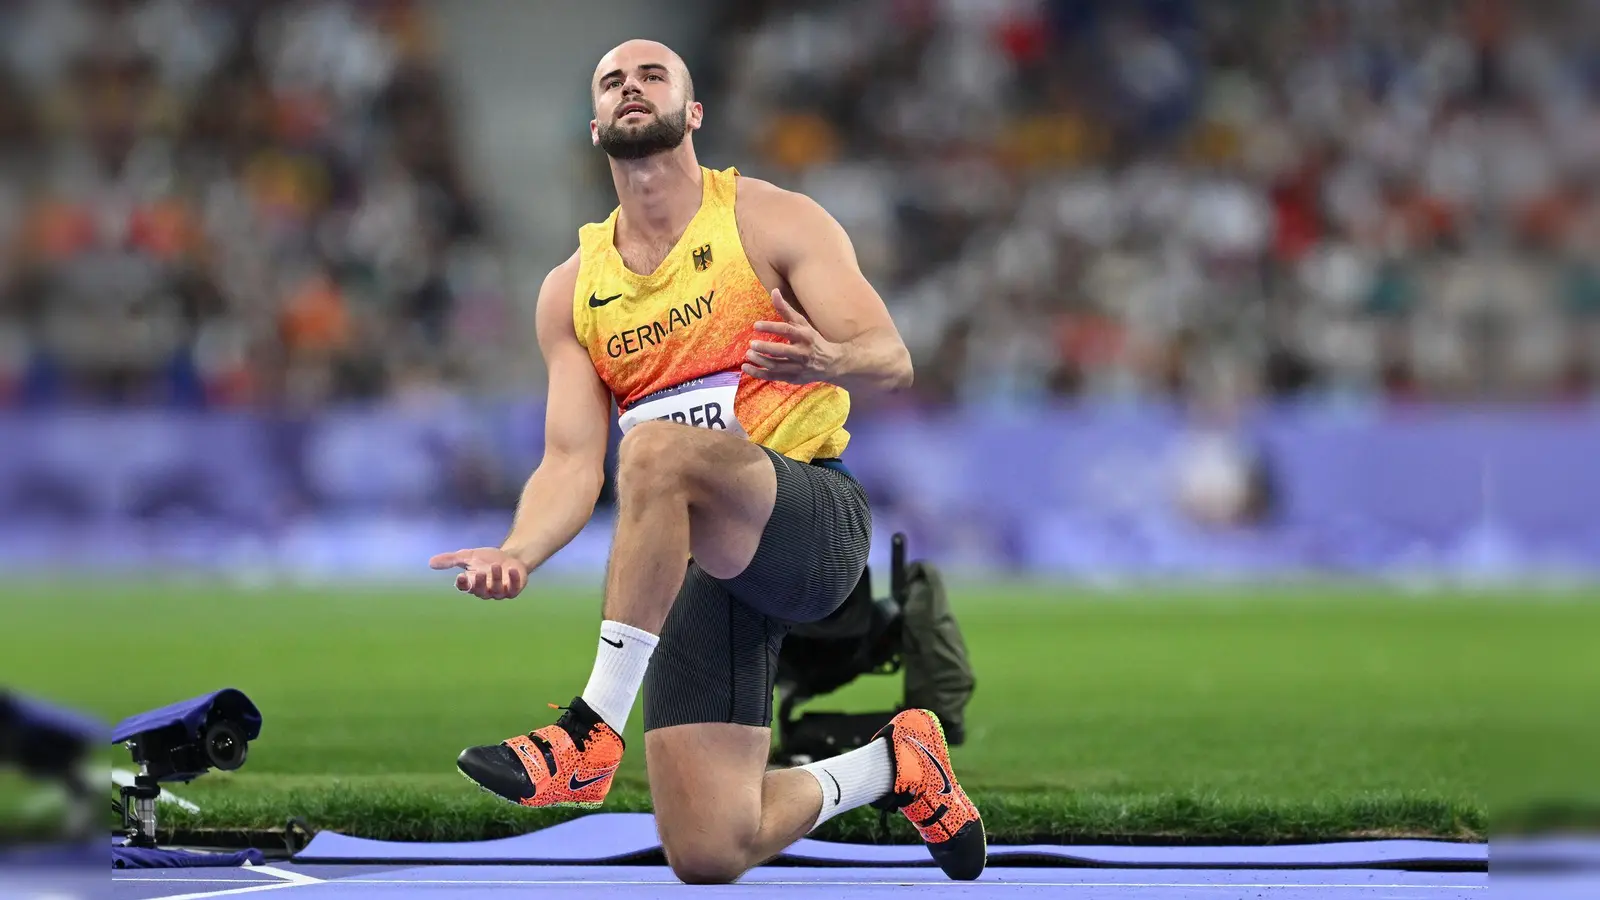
x=775, y=221
x=763, y=198
x=561, y=282
x=563, y=279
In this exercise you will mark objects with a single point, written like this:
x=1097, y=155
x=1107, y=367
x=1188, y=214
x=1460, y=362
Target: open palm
x=489, y=572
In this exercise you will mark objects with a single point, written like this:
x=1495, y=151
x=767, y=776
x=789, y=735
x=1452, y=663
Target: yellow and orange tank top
x=671, y=344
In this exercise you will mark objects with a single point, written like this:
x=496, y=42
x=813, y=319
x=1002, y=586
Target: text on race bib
x=702, y=403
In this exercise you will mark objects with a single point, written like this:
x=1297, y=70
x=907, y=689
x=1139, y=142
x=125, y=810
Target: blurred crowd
x=232, y=202
x=241, y=202
x=1220, y=201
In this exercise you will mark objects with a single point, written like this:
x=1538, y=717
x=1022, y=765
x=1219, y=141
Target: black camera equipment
x=180, y=743
x=909, y=632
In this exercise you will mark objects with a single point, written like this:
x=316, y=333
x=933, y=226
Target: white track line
x=286, y=879
x=251, y=889
x=285, y=874
x=501, y=882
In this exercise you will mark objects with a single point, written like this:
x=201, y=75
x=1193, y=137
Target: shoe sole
x=569, y=804
x=958, y=843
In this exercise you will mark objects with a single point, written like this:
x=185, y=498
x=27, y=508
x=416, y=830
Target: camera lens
x=225, y=746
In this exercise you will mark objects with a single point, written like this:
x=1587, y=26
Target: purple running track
x=479, y=882
x=611, y=838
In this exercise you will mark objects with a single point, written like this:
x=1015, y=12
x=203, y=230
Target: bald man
x=728, y=321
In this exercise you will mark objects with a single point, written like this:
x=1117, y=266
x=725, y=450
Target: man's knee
x=701, y=860
x=653, y=457
x=659, y=457
x=706, y=781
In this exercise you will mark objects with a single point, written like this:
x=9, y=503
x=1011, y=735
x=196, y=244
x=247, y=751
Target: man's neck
x=658, y=194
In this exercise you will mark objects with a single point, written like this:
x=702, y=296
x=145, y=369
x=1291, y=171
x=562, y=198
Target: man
x=727, y=318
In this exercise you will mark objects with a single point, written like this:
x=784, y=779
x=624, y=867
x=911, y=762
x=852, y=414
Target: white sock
x=853, y=779
x=619, y=663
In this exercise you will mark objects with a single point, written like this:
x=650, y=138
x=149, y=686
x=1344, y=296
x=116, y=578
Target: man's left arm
x=846, y=336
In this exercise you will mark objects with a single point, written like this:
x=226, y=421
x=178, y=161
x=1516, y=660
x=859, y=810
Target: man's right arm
x=559, y=498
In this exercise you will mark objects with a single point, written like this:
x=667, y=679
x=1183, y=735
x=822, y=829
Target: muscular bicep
x=814, y=255
x=577, y=405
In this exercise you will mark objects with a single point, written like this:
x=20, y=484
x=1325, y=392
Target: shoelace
x=568, y=722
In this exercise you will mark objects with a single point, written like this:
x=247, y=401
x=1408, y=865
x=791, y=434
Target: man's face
x=641, y=109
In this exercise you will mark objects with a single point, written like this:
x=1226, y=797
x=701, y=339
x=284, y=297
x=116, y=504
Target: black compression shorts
x=718, y=652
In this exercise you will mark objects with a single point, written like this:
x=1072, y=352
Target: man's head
x=643, y=101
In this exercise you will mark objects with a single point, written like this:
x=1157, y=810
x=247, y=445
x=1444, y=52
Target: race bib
x=702, y=403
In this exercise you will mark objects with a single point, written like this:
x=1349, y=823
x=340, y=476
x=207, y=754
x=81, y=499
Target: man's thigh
x=729, y=482
x=813, y=546
x=789, y=538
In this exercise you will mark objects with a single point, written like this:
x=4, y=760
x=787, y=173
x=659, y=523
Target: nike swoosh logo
x=838, y=792
x=597, y=302
x=578, y=784
x=616, y=644
x=936, y=764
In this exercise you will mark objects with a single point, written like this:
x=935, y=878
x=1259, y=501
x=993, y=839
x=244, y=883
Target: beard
x=665, y=132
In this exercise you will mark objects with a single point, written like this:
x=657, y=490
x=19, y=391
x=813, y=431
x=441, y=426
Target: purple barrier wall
x=1086, y=493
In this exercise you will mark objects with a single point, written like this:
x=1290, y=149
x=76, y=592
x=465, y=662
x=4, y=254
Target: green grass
x=1254, y=715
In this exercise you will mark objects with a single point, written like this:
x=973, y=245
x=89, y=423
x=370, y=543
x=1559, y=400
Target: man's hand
x=807, y=357
x=491, y=573
x=847, y=337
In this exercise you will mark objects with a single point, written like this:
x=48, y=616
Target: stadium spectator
x=260, y=203
x=1071, y=197
x=234, y=203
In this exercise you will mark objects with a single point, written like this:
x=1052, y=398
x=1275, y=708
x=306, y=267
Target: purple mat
x=631, y=838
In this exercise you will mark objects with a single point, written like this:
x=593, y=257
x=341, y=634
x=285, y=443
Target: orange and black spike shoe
x=568, y=764
x=926, y=791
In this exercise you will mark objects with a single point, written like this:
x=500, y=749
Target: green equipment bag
x=938, y=673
